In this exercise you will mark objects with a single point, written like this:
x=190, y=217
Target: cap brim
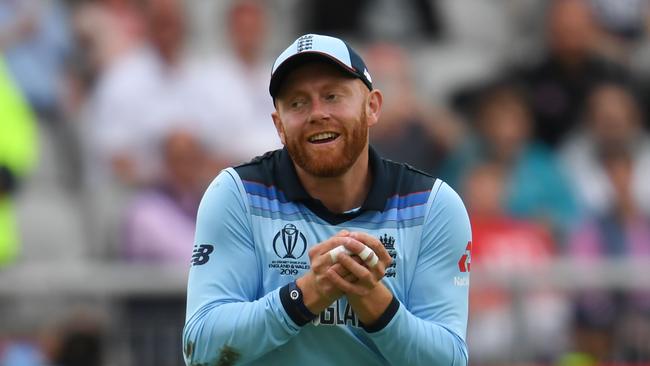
x=300, y=59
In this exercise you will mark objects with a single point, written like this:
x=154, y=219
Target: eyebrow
x=338, y=84
x=332, y=85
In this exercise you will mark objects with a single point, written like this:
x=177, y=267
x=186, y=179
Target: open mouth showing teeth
x=324, y=137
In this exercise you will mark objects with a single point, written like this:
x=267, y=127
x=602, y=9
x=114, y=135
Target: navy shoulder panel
x=407, y=179
x=260, y=169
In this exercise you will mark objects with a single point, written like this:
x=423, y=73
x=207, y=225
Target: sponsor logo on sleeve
x=466, y=259
x=464, y=266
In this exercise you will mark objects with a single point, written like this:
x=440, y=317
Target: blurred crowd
x=115, y=115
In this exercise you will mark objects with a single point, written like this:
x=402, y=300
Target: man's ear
x=278, y=126
x=373, y=106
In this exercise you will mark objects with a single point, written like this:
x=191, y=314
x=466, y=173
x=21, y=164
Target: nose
x=318, y=111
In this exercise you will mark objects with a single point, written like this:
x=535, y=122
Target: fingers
x=344, y=272
x=346, y=286
x=321, y=263
x=327, y=245
x=350, y=278
x=350, y=273
x=343, y=233
x=365, y=277
x=359, y=271
x=368, y=247
x=318, y=256
x=374, y=244
x=323, y=283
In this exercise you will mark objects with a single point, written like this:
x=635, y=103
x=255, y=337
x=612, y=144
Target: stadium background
x=115, y=114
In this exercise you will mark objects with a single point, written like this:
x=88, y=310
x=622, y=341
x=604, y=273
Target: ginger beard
x=354, y=138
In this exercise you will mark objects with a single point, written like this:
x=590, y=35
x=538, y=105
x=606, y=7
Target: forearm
x=409, y=340
x=403, y=338
x=373, y=306
x=314, y=301
x=247, y=330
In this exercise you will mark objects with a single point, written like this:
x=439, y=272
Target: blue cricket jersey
x=255, y=226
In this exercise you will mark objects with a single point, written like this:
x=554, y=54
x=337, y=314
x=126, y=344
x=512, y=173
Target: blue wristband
x=294, y=304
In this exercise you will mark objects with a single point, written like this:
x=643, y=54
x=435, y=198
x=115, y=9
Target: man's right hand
x=317, y=289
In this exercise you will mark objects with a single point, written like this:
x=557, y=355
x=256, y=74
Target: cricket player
x=323, y=253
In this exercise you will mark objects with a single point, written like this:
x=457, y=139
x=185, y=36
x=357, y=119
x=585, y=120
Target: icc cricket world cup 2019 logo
x=293, y=243
x=289, y=244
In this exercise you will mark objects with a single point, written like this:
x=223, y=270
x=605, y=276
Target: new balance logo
x=201, y=254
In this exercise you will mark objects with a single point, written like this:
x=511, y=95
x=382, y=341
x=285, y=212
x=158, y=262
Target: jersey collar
x=290, y=184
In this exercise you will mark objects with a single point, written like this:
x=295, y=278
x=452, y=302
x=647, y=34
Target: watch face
x=294, y=294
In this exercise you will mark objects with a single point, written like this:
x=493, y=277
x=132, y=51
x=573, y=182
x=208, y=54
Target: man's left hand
x=367, y=295
x=367, y=278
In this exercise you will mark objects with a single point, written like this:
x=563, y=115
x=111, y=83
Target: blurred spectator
x=622, y=18
x=378, y=19
x=623, y=24
x=614, y=325
x=18, y=151
x=80, y=344
x=35, y=41
x=239, y=80
x=508, y=245
x=501, y=241
x=76, y=340
x=159, y=222
x=536, y=188
x=21, y=353
x=560, y=83
x=139, y=96
x=107, y=30
x=408, y=132
x=613, y=122
x=621, y=230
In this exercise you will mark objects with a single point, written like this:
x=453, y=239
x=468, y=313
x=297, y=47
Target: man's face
x=321, y=117
x=166, y=27
x=247, y=28
x=614, y=118
x=570, y=29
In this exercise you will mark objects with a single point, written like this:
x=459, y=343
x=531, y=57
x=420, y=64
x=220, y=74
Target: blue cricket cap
x=312, y=47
